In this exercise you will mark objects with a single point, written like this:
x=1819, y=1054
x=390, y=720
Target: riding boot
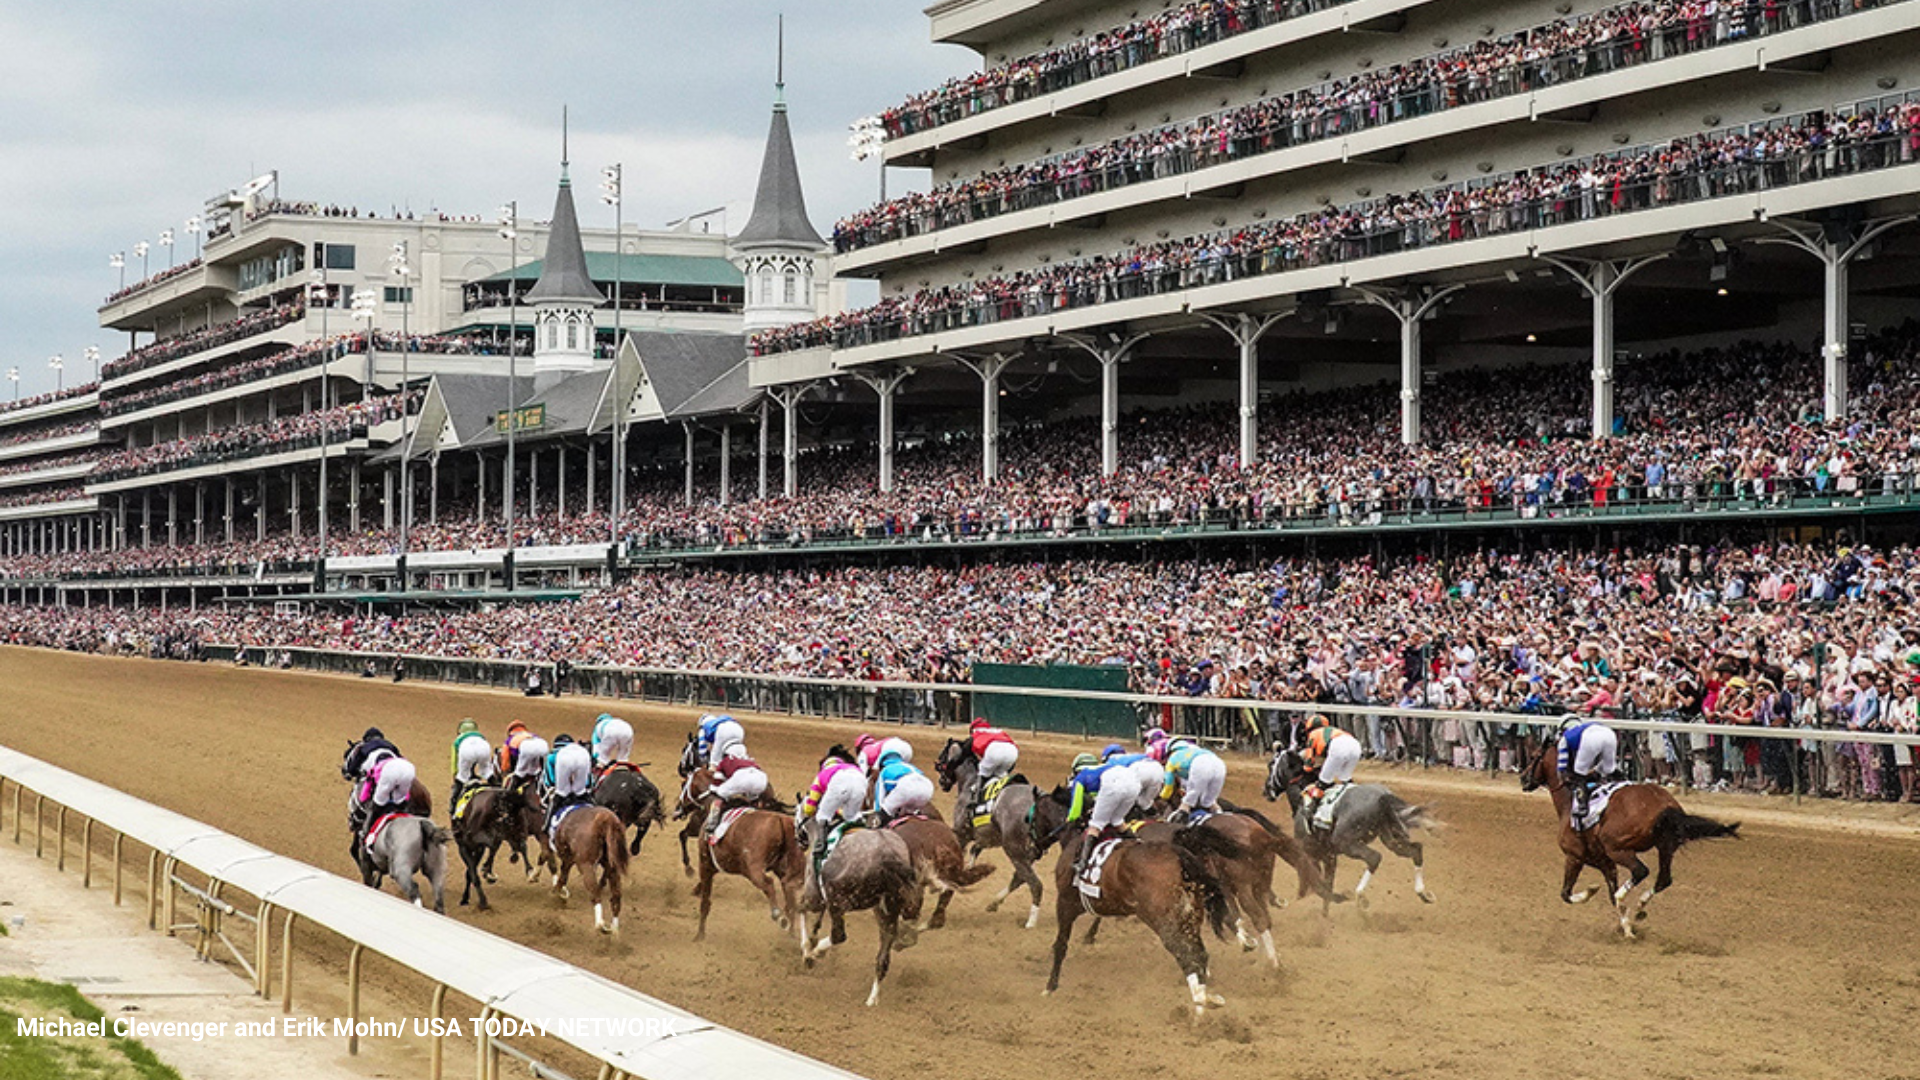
x=1087, y=843
x=715, y=808
x=1582, y=796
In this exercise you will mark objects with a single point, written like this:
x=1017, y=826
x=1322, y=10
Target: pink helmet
x=863, y=742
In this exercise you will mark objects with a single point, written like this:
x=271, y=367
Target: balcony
x=201, y=284
x=287, y=330
x=78, y=400
x=66, y=440
x=1370, y=133
x=61, y=469
x=62, y=503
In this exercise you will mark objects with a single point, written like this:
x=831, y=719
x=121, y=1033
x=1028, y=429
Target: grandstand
x=1259, y=272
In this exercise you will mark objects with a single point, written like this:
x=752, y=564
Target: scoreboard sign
x=531, y=418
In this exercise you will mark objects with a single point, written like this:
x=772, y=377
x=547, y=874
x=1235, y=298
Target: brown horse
x=494, y=816
x=869, y=868
x=590, y=836
x=1637, y=818
x=1249, y=879
x=759, y=845
x=1168, y=886
x=938, y=863
x=692, y=809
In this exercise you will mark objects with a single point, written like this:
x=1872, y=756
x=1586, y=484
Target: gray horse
x=409, y=845
x=1007, y=830
x=1365, y=813
x=867, y=869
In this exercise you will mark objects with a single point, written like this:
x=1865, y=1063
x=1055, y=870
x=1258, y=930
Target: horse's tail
x=1675, y=826
x=1282, y=843
x=1207, y=842
x=967, y=876
x=1259, y=818
x=1409, y=816
x=1195, y=874
x=433, y=834
x=613, y=836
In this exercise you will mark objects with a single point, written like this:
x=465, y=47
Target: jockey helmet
x=467, y=725
x=980, y=722
x=562, y=740
x=603, y=716
x=1153, y=735
x=1318, y=721
x=863, y=742
x=1113, y=750
x=837, y=752
x=372, y=733
x=726, y=718
x=1085, y=761
x=892, y=755
x=1157, y=749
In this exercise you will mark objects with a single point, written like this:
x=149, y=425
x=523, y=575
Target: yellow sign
x=531, y=418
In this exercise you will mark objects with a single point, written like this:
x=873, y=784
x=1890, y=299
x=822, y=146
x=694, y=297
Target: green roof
x=703, y=270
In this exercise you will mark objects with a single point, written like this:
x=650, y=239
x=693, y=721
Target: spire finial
x=780, y=65
x=563, y=142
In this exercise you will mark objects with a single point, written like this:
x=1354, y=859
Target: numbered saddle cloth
x=1597, y=805
x=1089, y=880
x=726, y=821
x=466, y=797
x=1323, y=814
x=379, y=823
x=983, y=810
x=553, y=827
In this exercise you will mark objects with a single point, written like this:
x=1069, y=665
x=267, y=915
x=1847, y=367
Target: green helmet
x=469, y=724
x=1085, y=761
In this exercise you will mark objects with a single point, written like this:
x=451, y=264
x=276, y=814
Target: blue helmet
x=1112, y=751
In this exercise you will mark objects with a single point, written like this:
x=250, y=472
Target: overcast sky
x=119, y=120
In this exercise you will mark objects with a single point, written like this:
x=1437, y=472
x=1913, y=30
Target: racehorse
x=938, y=863
x=493, y=816
x=692, y=808
x=419, y=804
x=868, y=868
x=761, y=846
x=1637, y=818
x=1366, y=812
x=1168, y=886
x=958, y=768
x=404, y=846
x=1249, y=879
x=590, y=836
x=626, y=791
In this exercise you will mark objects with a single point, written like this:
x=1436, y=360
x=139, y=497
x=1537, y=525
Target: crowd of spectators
x=242, y=441
x=152, y=280
x=173, y=348
x=48, y=398
x=1567, y=49
x=38, y=496
x=1695, y=168
x=15, y=468
x=1765, y=635
x=41, y=433
x=1614, y=37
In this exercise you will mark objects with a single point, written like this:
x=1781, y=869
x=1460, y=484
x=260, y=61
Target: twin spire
x=563, y=272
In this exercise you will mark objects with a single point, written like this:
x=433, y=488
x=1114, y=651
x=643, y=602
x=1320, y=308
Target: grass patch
x=25, y=1058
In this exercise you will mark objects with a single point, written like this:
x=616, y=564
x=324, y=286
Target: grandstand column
x=353, y=496
x=1246, y=331
x=885, y=385
x=789, y=399
x=593, y=463
x=1411, y=309
x=533, y=482
x=560, y=482
x=173, y=515
x=687, y=426
x=146, y=518
x=1110, y=355
x=1601, y=278
x=726, y=463
x=480, y=492
x=386, y=497
x=229, y=518
x=989, y=368
x=260, y=509
x=1834, y=242
x=433, y=488
x=293, y=501
x=763, y=448
x=199, y=513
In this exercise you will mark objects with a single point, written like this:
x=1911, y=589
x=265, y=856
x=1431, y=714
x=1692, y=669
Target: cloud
x=117, y=121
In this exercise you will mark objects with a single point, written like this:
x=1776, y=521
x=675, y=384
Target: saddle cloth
x=983, y=810
x=834, y=835
x=379, y=823
x=726, y=820
x=553, y=827
x=1597, y=805
x=466, y=796
x=1323, y=814
x=905, y=816
x=1089, y=880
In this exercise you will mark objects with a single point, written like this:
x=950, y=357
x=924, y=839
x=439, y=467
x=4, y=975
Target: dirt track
x=1791, y=953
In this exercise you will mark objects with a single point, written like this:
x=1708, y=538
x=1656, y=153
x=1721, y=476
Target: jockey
x=612, y=741
x=569, y=776
x=1112, y=789
x=472, y=759
x=1589, y=754
x=902, y=789
x=370, y=749
x=1196, y=770
x=738, y=780
x=388, y=789
x=1153, y=775
x=1334, y=753
x=517, y=733
x=838, y=793
x=869, y=749
x=996, y=752
x=716, y=736
x=530, y=761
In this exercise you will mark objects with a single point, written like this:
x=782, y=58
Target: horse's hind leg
x=1630, y=908
x=1180, y=933
x=889, y=921
x=704, y=890
x=763, y=881
x=1093, y=931
x=938, y=919
x=1065, y=910
x=470, y=856
x=1366, y=854
x=1408, y=848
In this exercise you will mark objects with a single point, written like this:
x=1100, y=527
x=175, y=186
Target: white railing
x=625, y=1033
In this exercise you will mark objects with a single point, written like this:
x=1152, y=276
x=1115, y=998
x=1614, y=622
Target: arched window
x=790, y=290
x=766, y=285
x=573, y=333
x=553, y=335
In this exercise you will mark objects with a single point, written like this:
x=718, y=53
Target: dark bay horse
x=958, y=768
x=1637, y=818
x=494, y=816
x=938, y=863
x=592, y=837
x=1365, y=813
x=626, y=791
x=1249, y=879
x=761, y=846
x=868, y=868
x=1168, y=886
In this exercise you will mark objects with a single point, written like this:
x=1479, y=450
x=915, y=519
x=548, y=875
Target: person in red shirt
x=997, y=752
x=737, y=781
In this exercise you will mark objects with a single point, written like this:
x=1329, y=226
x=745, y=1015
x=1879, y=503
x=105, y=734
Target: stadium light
x=317, y=290
x=118, y=261
x=92, y=354
x=612, y=180
x=867, y=139
x=59, y=366
x=166, y=241
x=193, y=230
x=398, y=266
x=510, y=231
x=140, y=249
x=13, y=373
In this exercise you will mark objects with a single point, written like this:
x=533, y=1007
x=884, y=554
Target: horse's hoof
x=489, y=878
x=1360, y=901
x=938, y=922
x=689, y=870
x=1215, y=1000
x=993, y=906
x=1425, y=897
x=1639, y=916
x=909, y=937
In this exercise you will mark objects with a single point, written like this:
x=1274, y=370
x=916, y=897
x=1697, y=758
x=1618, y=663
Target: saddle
x=983, y=810
x=1322, y=820
x=560, y=815
x=1088, y=880
x=726, y=821
x=836, y=834
x=380, y=823
x=1597, y=805
x=905, y=816
x=466, y=797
